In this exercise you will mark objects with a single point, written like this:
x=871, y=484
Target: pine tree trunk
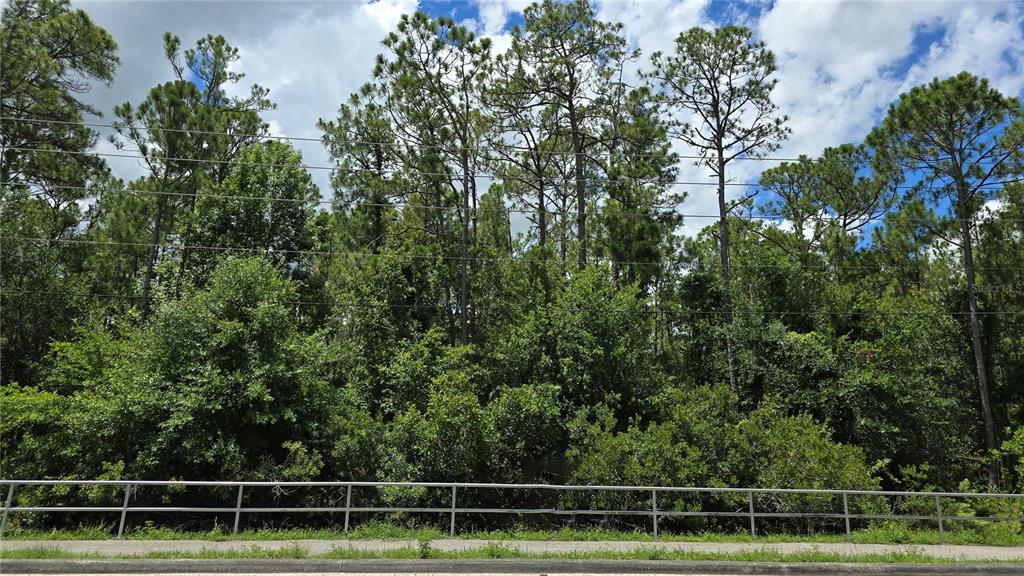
x=186, y=241
x=542, y=214
x=979, y=356
x=464, y=256
x=581, y=202
x=378, y=207
x=542, y=234
x=723, y=245
x=154, y=241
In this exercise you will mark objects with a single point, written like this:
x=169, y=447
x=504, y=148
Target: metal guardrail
x=453, y=510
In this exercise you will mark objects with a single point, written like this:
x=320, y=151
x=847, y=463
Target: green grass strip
x=491, y=551
x=1004, y=534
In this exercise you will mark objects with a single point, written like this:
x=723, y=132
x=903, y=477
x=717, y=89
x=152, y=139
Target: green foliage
x=1013, y=452
x=702, y=76
x=774, y=451
x=30, y=415
x=220, y=385
x=447, y=441
x=268, y=202
x=52, y=54
x=527, y=431
x=962, y=134
x=210, y=320
x=701, y=444
x=603, y=354
x=641, y=456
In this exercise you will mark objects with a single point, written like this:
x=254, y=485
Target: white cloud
x=833, y=59
x=986, y=39
x=310, y=55
x=120, y=165
x=313, y=61
x=840, y=62
x=994, y=206
x=653, y=25
x=493, y=15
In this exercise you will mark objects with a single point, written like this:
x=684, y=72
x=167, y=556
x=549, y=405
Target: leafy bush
x=772, y=450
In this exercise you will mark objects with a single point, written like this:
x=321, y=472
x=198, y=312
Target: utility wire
x=262, y=250
x=656, y=309
x=441, y=147
x=139, y=156
x=653, y=213
x=327, y=139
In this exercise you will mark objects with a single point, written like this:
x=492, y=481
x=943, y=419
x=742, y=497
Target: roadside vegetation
x=493, y=551
x=888, y=533
x=497, y=287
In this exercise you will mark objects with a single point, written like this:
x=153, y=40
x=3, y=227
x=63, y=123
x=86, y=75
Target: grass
x=490, y=551
x=367, y=531
x=888, y=533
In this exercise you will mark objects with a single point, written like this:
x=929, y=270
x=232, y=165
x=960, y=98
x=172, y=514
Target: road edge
x=506, y=566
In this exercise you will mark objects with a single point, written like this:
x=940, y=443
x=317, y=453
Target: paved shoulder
x=314, y=547
x=488, y=567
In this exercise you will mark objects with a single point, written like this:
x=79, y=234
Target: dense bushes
x=541, y=328
x=222, y=384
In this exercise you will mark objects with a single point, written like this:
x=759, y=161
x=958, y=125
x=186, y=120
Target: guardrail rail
x=653, y=512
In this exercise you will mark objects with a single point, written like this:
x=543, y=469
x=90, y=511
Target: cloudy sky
x=840, y=62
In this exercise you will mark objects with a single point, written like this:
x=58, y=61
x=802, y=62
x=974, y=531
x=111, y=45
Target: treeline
x=499, y=290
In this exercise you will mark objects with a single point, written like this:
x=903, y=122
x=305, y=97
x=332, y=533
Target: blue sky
x=840, y=62
x=455, y=10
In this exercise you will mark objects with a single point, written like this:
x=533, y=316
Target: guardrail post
x=753, y=529
x=938, y=514
x=124, y=509
x=348, y=503
x=846, y=517
x=452, y=531
x=654, y=510
x=7, y=507
x=238, y=509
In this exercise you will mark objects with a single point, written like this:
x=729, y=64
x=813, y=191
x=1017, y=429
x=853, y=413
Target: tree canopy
x=497, y=287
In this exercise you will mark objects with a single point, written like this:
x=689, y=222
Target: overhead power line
x=371, y=255
x=653, y=213
x=138, y=155
x=648, y=310
x=441, y=147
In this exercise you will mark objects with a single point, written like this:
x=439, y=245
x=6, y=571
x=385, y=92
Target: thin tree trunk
x=154, y=240
x=581, y=203
x=979, y=356
x=723, y=245
x=441, y=227
x=656, y=308
x=563, y=239
x=474, y=264
x=473, y=208
x=464, y=255
x=542, y=231
x=542, y=214
x=186, y=240
x=468, y=193
x=378, y=205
